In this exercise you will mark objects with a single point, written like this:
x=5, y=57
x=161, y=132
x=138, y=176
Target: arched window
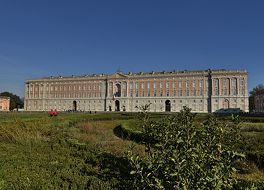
x=117, y=91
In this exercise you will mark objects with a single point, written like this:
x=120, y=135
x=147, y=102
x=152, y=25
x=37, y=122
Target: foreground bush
x=181, y=155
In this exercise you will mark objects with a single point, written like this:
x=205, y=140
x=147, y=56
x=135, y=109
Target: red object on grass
x=53, y=113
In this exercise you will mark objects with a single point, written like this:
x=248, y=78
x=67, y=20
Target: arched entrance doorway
x=117, y=105
x=226, y=104
x=167, y=106
x=74, y=105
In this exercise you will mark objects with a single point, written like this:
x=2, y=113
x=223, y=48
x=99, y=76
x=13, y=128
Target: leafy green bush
x=181, y=155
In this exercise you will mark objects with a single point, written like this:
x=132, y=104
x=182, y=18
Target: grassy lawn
x=41, y=152
x=82, y=150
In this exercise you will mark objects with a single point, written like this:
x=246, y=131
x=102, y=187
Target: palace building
x=203, y=91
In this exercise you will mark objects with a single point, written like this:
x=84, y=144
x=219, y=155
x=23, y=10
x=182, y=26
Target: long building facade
x=203, y=91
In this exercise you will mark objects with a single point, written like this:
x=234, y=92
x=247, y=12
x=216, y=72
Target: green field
x=87, y=151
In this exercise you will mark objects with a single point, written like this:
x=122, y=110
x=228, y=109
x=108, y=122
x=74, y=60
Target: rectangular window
x=167, y=84
x=201, y=83
x=131, y=85
x=216, y=87
x=234, y=86
x=194, y=84
x=242, y=82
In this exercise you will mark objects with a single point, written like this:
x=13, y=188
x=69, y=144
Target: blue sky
x=64, y=37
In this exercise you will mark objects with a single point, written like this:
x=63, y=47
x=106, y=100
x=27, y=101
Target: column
x=230, y=80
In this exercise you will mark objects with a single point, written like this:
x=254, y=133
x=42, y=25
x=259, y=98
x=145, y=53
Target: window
x=110, y=89
x=201, y=83
x=234, y=86
x=216, y=86
x=194, y=84
x=167, y=84
x=187, y=84
x=242, y=87
x=180, y=92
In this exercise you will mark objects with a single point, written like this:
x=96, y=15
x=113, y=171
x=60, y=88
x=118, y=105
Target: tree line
x=259, y=89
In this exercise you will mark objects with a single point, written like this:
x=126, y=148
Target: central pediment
x=118, y=76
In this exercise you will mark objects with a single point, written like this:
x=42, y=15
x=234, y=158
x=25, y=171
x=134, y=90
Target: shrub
x=181, y=155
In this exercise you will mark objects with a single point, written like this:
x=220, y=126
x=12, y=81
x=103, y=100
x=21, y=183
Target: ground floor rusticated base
x=157, y=104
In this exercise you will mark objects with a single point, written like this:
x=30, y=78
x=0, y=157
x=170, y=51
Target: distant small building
x=4, y=103
x=259, y=102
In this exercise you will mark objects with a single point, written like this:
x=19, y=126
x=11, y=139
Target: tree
x=181, y=155
x=259, y=89
x=15, y=101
